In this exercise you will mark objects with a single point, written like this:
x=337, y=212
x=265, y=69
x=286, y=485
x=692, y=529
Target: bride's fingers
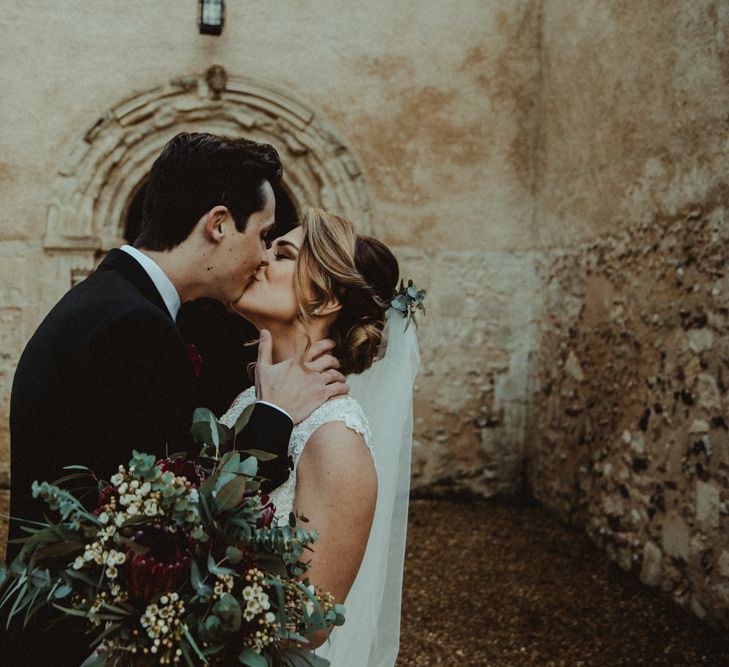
x=265, y=358
x=323, y=363
x=265, y=350
x=337, y=389
x=334, y=377
x=319, y=348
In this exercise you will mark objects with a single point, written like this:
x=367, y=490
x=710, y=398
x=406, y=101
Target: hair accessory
x=407, y=300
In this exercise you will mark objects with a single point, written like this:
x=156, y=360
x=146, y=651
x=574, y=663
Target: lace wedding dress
x=345, y=647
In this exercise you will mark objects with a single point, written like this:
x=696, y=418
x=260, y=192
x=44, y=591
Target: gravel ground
x=497, y=584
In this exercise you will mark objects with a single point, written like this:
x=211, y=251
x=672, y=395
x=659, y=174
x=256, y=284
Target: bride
x=350, y=474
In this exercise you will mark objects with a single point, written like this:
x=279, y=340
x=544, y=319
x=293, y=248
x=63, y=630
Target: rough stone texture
x=638, y=450
x=628, y=417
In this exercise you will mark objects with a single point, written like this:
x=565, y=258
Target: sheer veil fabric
x=370, y=636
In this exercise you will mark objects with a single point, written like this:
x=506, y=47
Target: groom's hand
x=301, y=384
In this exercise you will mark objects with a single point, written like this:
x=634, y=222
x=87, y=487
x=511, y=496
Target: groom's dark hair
x=194, y=173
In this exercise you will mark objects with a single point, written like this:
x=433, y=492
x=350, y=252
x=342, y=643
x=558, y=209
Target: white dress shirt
x=168, y=292
x=163, y=284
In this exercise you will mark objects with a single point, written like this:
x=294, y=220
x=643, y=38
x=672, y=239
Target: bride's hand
x=298, y=385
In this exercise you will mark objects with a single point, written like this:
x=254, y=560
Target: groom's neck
x=180, y=269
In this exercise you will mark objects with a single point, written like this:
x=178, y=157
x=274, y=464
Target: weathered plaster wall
x=629, y=403
x=437, y=108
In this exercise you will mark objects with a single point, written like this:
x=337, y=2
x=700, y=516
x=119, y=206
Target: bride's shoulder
x=342, y=409
x=333, y=420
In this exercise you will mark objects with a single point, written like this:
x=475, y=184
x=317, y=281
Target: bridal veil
x=370, y=636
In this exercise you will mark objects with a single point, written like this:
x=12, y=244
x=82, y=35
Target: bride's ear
x=215, y=220
x=330, y=307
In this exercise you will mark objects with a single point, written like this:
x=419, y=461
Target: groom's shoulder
x=105, y=296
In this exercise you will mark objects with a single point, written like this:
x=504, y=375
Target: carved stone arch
x=100, y=176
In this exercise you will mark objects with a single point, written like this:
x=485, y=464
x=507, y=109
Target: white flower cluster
x=137, y=497
x=164, y=627
x=256, y=601
x=155, y=498
x=257, y=604
x=255, y=597
x=224, y=584
x=102, y=553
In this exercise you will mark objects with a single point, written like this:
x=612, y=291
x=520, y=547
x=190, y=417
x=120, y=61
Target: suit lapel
x=118, y=260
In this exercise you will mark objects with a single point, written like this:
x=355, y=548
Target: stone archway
x=94, y=187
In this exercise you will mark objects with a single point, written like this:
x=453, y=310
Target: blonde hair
x=360, y=272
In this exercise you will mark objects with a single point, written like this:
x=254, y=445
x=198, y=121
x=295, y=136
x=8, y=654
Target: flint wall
x=628, y=397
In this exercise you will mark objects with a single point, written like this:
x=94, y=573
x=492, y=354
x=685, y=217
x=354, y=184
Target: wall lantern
x=212, y=17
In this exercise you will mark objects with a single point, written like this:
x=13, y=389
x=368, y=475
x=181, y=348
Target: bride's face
x=271, y=296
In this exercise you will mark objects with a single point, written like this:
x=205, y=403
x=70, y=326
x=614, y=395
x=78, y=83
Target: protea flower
x=182, y=468
x=163, y=567
x=267, y=513
x=105, y=496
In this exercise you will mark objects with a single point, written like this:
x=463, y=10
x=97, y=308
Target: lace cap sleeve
x=345, y=410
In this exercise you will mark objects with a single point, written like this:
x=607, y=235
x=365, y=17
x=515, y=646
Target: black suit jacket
x=106, y=372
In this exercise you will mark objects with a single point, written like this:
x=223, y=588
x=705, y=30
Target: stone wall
x=630, y=428
x=627, y=432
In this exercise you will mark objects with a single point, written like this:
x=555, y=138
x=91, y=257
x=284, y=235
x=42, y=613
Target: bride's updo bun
x=358, y=271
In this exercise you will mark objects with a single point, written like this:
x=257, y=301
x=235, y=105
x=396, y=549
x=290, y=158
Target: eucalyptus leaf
x=230, y=462
x=260, y=454
x=186, y=654
x=252, y=659
x=243, y=418
x=202, y=415
x=214, y=568
x=59, y=549
x=249, y=467
x=229, y=612
x=231, y=494
x=62, y=591
x=40, y=579
x=195, y=576
x=233, y=555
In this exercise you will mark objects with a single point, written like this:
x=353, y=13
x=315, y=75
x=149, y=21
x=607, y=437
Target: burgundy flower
x=105, y=496
x=195, y=359
x=267, y=514
x=182, y=468
x=164, y=567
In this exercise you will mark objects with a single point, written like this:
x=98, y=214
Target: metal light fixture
x=212, y=17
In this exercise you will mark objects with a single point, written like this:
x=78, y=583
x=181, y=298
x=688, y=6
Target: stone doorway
x=98, y=189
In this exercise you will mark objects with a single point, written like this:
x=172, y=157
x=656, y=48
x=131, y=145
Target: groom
x=107, y=370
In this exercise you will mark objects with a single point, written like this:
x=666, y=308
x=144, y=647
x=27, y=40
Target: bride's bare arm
x=336, y=489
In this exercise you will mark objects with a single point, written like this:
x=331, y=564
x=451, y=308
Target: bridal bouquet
x=181, y=562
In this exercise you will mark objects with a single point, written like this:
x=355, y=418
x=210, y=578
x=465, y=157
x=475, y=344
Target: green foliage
x=60, y=564
x=407, y=301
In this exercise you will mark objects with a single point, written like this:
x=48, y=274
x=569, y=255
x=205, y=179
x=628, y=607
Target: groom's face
x=245, y=251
